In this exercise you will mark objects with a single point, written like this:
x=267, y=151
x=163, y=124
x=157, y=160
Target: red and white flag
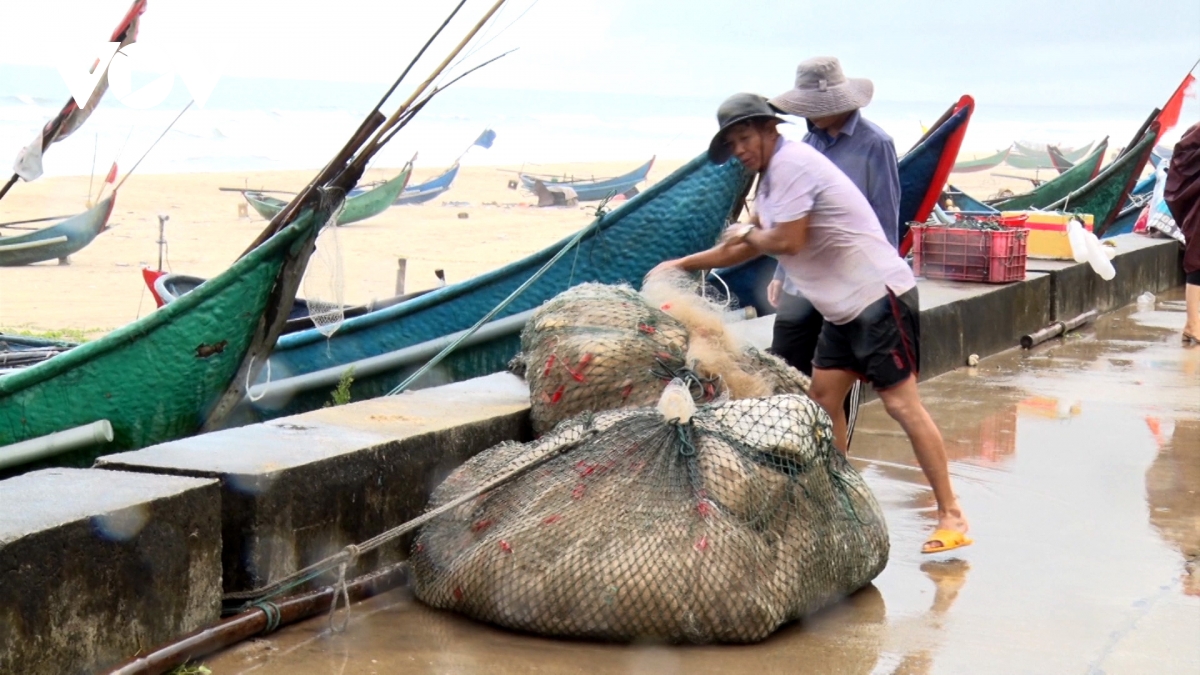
x=1169, y=116
x=29, y=160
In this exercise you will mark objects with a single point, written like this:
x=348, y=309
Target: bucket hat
x=735, y=110
x=822, y=89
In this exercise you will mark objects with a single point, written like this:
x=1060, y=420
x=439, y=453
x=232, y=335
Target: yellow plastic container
x=1047, y=231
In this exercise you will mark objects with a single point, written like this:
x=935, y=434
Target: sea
x=261, y=124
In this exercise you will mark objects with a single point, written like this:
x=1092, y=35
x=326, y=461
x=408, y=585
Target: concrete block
x=95, y=565
x=1142, y=264
x=300, y=488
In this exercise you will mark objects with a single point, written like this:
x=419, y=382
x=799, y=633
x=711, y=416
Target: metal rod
x=1057, y=328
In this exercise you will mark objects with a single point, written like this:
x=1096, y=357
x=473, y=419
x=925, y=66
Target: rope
x=347, y=556
x=497, y=309
x=274, y=615
x=250, y=369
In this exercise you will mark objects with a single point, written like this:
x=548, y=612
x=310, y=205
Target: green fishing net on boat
x=669, y=522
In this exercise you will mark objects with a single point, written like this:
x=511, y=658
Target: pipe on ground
x=97, y=432
x=257, y=621
x=1057, y=328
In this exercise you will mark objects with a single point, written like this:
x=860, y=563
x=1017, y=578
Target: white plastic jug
x=1075, y=236
x=1100, y=263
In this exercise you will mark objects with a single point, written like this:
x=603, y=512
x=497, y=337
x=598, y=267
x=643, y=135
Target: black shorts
x=797, y=328
x=1193, y=278
x=882, y=345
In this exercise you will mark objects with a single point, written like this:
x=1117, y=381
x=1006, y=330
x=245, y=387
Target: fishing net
x=324, y=284
x=716, y=524
x=598, y=347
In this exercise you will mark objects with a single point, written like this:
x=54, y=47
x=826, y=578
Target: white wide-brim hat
x=822, y=90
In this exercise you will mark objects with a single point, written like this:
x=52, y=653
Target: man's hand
x=666, y=266
x=774, y=292
x=735, y=234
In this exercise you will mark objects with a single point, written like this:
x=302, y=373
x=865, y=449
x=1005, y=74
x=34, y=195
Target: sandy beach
x=102, y=287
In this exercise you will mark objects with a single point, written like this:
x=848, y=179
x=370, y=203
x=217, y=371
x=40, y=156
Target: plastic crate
x=957, y=254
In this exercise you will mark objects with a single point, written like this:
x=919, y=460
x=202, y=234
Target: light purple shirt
x=847, y=263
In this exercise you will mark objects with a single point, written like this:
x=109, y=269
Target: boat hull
x=56, y=241
x=682, y=214
x=155, y=379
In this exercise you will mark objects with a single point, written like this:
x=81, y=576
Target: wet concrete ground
x=1079, y=465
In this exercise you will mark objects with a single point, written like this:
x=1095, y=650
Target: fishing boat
x=684, y=213
x=1051, y=191
x=983, y=163
x=154, y=379
x=965, y=203
x=1139, y=199
x=358, y=207
x=430, y=189
x=1105, y=194
x=1025, y=157
x=22, y=351
x=178, y=370
x=592, y=189
x=58, y=241
x=1058, y=159
x=923, y=172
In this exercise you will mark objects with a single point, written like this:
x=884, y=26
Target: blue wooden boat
x=56, y=241
x=1139, y=198
x=592, y=190
x=682, y=214
x=965, y=203
x=430, y=189
x=923, y=172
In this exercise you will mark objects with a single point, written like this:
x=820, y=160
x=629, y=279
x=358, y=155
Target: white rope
x=250, y=369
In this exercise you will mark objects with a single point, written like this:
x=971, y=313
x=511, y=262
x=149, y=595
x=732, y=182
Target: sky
x=1016, y=57
x=1066, y=52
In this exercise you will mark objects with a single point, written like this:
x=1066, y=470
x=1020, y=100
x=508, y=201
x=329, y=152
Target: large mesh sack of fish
x=669, y=523
x=598, y=347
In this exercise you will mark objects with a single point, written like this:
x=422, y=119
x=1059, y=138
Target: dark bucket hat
x=736, y=109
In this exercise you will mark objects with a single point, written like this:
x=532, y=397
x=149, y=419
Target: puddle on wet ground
x=1079, y=465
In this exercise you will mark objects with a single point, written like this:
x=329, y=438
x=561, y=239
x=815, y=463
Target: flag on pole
x=112, y=174
x=1169, y=116
x=29, y=160
x=485, y=139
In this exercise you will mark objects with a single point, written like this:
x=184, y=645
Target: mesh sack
x=599, y=347
x=624, y=525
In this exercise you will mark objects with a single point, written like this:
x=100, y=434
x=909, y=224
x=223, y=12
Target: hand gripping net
x=631, y=526
x=599, y=347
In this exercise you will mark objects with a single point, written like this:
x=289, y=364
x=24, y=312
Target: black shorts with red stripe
x=881, y=345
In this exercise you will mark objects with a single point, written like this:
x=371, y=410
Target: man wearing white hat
x=810, y=217
x=830, y=102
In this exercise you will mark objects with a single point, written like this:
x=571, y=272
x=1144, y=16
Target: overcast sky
x=1057, y=52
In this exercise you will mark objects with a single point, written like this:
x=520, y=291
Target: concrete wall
x=95, y=565
x=301, y=488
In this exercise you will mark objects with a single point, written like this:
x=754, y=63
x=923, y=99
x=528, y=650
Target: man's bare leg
x=828, y=390
x=904, y=405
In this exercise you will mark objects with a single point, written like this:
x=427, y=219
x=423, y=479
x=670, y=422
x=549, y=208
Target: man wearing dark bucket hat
x=830, y=103
x=819, y=226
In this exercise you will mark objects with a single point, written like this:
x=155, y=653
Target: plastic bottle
x=1100, y=263
x=1145, y=301
x=1075, y=235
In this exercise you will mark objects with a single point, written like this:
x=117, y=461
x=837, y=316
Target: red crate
x=990, y=256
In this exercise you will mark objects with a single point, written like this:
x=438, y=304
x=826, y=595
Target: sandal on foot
x=946, y=540
x=1189, y=339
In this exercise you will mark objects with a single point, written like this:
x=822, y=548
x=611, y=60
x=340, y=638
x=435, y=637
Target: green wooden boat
x=1105, y=194
x=983, y=163
x=358, y=207
x=1051, y=191
x=155, y=379
x=56, y=241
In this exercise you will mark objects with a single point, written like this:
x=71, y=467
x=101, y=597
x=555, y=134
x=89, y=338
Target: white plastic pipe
x=57, y=443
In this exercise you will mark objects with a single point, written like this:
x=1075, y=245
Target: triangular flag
x=112, y=174
x=1169, y=116
x=485, y=139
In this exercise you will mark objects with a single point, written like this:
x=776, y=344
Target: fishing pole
x=160, y=137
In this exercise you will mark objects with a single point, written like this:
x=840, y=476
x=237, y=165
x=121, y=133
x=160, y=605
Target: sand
x=102, y=288
x=479, y=225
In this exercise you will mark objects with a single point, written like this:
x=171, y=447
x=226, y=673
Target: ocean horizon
x=265, y=124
